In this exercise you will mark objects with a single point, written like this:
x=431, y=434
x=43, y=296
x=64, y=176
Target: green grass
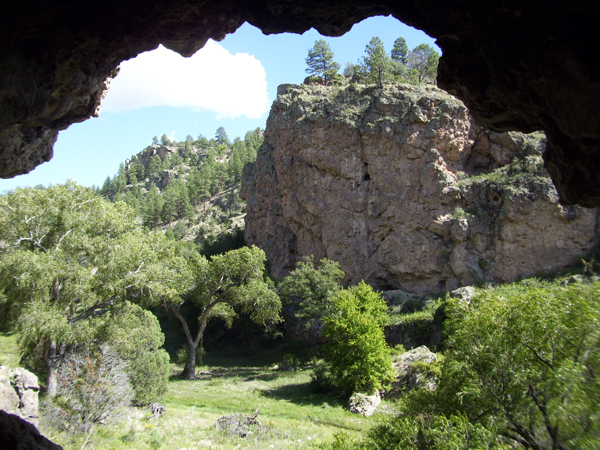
x=399, y=315
x=292, y=417
x=9, y=350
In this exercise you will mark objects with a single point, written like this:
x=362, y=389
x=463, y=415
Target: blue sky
x=231, y=83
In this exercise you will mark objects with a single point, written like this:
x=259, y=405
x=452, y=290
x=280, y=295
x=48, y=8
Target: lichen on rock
x=404, y=190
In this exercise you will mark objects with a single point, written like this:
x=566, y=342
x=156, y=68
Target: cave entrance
x=228, y=84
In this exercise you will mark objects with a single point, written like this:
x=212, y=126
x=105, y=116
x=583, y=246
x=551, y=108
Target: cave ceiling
x=517, y=65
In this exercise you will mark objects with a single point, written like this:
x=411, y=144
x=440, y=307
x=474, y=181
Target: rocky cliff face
x=518, y=65
x=404, y=190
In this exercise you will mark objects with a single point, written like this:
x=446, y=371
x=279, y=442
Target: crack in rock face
x=403, y=189
x=516, y=65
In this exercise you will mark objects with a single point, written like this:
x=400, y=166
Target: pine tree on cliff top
x=320, y=61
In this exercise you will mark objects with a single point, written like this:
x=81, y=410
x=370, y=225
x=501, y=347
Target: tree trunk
x=50, y=360
x=189, y=371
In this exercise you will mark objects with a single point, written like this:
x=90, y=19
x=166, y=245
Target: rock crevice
x=405, y=190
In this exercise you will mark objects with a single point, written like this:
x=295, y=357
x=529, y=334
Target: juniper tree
x=72, y=257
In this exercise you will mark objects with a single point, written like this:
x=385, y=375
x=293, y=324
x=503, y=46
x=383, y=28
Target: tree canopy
x=226, y=285
x=73, y=257
x=356, y=348
x=320, y=61
x=308, y=290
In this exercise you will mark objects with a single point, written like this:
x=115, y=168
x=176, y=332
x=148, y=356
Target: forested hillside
x=190, y=188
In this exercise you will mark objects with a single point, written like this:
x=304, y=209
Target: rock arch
x=517, y=65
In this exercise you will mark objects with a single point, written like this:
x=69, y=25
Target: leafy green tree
x=320, y=61
x=527, y=365
x=377, y=63
x=356, y=348
x=310, y=290
x=424, y=60
x=72, y=258
x=135, y=335
x=221, y=136
x=227, y=284
x=164, y=140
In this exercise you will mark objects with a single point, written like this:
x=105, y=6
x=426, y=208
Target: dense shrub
x=91, y=387
x=136, y=336
x=421, y=432
x=529, y=364
x=307, y=292
x=356, y=348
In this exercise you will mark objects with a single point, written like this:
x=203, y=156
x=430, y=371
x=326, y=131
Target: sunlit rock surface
x=405, y=191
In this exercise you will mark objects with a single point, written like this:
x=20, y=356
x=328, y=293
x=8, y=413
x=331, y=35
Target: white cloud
x=213, y=79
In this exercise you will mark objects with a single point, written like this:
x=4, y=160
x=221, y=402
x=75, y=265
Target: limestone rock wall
x=404, y=190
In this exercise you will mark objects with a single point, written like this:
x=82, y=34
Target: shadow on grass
x=301, y=394
x=246, y=369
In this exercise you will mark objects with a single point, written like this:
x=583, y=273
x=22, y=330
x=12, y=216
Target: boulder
x=465, y=294
x=364, y=404
x=410, y=375
x=19, y=393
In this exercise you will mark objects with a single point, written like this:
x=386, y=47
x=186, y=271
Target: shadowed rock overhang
x=516, y=65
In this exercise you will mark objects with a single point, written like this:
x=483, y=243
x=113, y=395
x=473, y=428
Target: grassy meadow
x=291, y=416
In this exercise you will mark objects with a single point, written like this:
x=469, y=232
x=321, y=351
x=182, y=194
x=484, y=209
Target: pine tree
x=155, y=165
x=152, y=207
x=221, y=136
x=377, y=63
x=400, y=51
x=107, y=190
x=121, y=180
x=320, y=61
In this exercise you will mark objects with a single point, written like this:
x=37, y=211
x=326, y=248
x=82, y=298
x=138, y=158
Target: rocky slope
x=404, y=190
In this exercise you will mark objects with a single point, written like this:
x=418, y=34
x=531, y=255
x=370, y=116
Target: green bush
x=525, y=364
x=422, y=432
x=356, y=348
x=307, y=292
x=136, y=336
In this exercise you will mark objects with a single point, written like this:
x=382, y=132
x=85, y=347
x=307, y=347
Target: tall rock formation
x=403, y=189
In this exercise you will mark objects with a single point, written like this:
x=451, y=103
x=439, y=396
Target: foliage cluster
x=356, y=349
x=521, y=369
x=72, y=263
x=226, y=285
x=196, y=169
x=307, y=292
x=416, y=66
